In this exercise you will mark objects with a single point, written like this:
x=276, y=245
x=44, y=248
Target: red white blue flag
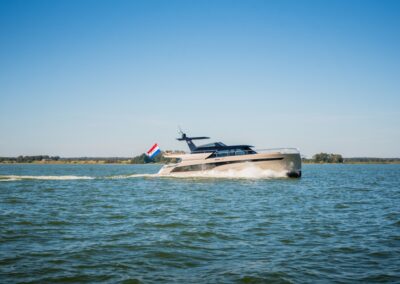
x=154, y=151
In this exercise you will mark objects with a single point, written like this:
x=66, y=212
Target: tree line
x=29, y=159
x=140, y=159
x=337, y=158
x=160, y=159
x=328, y=158
x=371, y=160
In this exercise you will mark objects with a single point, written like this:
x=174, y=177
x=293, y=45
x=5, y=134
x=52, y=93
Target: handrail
x=281, y=150
x=246, y=152
x=233, y=152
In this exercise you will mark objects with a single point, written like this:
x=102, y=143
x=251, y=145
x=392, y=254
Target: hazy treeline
x=144, y=159
x=327, y=158
x=371, y=160
x=337, y=158
x=47, y=158
x=29, y=159
x=141, y=159
x=107, y=160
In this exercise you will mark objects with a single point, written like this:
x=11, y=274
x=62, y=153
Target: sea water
x=123, y=223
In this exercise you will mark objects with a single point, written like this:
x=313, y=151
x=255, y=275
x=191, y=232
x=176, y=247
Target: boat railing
x=279, y=150
x=239, y=152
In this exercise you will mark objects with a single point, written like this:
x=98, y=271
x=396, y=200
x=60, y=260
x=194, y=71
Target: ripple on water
x=207, y=235
x=273, y=277
x=339, y=223
x=14, y=200
x=341, y=206
x=171, y=225
x=131, y=281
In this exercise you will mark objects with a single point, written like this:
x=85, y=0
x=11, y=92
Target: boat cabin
x=219, y=149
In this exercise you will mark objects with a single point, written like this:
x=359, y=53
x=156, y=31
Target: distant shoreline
x=354, y=163
x=321, y=158
x=67, y=163
x=128, y=162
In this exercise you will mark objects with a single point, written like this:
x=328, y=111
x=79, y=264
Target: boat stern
x=292, y=163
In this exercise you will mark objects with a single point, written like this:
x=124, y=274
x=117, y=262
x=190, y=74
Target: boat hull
x=288, y=163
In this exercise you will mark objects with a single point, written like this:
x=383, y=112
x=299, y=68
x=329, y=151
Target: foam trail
x=247, y=173
x=18, y=178
x=132, y=176
x=15, y=178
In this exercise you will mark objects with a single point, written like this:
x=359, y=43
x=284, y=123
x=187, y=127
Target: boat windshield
x=216, y=144
x=233, y=152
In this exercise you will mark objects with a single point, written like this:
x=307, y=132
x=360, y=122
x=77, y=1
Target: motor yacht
x=220, y=157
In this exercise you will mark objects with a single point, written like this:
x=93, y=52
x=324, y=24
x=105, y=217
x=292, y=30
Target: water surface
x=116, y=223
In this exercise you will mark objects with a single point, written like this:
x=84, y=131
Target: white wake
x=131, y=176
x=15, y=177
x=247, y=173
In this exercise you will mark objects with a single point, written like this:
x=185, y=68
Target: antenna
x=180, y=130
x=188, y=140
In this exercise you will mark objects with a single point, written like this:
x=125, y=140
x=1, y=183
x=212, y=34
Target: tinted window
x=240, y=152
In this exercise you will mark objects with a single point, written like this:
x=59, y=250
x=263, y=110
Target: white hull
x=288, y=163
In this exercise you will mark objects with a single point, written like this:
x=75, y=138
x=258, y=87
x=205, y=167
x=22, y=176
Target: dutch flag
x=154, y=151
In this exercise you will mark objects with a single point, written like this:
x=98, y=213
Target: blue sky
x=110, y=78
